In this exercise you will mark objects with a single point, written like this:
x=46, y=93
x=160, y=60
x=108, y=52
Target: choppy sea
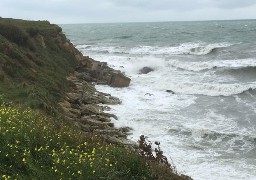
x=207, y=128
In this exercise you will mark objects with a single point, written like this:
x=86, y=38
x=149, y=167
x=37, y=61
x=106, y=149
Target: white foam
x=155, y=115
x=199, y=66
x=185, y=48
x=150, y=115
x=211, y=89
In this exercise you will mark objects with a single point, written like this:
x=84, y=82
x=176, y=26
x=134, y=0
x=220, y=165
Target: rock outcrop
x=119, y=80
x=86, y=107
x=102, y=74
x=145, y=70
x=170, y=91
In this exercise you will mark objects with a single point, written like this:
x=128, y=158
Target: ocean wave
x=226, y=64
x=123, y=37
x=212, y=89
x=102, y=49
x=203, y=50
x=215, y=136
x=183, y=49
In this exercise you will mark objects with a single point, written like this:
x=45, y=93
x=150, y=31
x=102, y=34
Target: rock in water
x=146, y=70
x=170, y=91
x=119, y=80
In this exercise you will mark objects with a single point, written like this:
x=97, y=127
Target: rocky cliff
x=41, y=68
x=36, y=58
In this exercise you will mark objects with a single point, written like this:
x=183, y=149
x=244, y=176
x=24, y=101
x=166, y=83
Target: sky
x=108, y=11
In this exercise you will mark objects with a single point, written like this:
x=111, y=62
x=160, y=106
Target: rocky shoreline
x=86, y=107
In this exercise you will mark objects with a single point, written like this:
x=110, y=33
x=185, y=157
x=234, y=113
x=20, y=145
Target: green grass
x=36, y=146
x=34, y=60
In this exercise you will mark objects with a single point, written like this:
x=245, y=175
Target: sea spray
x=207, y=126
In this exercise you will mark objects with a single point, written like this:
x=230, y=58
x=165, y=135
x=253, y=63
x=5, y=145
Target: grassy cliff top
x=35, y=58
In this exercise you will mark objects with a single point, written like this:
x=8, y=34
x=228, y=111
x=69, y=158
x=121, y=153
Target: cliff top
x=35, y=58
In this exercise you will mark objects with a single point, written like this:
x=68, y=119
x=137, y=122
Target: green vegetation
x=35, y=58
x=35, y=141
x=36, y=146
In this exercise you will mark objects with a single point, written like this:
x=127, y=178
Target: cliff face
x=35, y=58
x=40, y=68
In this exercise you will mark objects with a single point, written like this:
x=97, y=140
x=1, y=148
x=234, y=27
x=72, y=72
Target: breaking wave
x=212, y=89
x=214, y=136
x=183, y=49
x=226, y=64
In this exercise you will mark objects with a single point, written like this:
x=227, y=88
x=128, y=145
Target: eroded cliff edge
x=41, y=68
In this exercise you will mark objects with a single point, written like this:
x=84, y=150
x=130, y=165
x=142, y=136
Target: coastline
x=43, y=72
x=86, y=107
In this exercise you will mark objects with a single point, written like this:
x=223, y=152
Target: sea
x=207, y=128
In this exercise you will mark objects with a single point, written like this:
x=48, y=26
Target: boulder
x=110, y=100
x=170, y=91
x=109, y=115
x=145, y=70
x=119, y=80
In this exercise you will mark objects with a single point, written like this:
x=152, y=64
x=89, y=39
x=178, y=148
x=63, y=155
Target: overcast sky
x=95, y=11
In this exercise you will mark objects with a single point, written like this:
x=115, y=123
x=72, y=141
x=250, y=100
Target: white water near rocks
x=207, y=128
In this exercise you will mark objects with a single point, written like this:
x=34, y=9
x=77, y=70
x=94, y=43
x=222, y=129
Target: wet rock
x=125, y=129
x=149, y=94
x=119, y=80
x=145, y=70
x=109, y=100
x=170, y=91
x=109, y=115
x=85, y=106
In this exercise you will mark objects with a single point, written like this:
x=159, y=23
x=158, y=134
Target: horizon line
x=173, y=21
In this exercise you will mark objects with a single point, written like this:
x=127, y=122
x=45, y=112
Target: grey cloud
x=124, y=10
x=234, y=3
x=184, y=4
x=160, y=4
